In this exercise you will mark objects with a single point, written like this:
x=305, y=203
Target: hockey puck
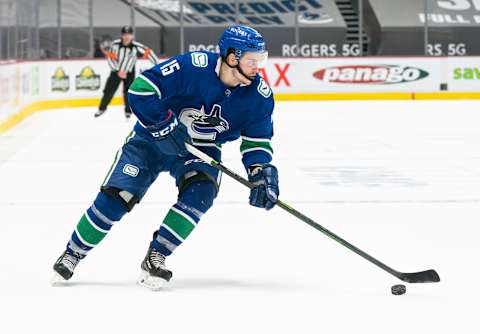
x=399, y=289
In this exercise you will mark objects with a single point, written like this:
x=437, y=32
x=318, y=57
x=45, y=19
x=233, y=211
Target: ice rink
x=400, y=180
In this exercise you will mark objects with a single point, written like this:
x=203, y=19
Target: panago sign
x=322, y=75
x=370, y=74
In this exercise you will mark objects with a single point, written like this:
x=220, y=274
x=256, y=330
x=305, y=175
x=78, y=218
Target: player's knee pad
x=194, y=176
x=109, y=207
x=198, y=191
x=127, y=199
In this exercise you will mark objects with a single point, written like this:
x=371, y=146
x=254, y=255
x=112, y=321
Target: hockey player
x=202, y=98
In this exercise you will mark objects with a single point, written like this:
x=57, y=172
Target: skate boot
x=128, y=114
x=99, y=113
x=154, y=273
x=64, y=267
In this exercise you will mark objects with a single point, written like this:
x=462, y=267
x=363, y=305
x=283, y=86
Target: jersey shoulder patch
x=264, y=89
x=199, y=59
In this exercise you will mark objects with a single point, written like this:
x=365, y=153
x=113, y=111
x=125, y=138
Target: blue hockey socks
x=95, y=223
x=193, y=201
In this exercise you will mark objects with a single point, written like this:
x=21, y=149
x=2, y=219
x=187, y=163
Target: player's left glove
x=170, y=136
x=266, y=191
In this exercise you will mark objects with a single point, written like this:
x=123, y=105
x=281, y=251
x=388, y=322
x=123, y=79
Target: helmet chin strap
x=240, y=70
x=242, y=73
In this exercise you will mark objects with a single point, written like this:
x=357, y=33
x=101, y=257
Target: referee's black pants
x=111, y=87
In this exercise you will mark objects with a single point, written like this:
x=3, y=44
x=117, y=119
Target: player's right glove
x=266, y=191
x=170, y=136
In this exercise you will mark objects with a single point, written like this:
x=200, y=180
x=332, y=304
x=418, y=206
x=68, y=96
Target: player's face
x=127, y=38
x=252, y=61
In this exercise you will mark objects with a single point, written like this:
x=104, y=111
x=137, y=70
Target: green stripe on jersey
x=89, y=233
x=130, y=136
x=249, y=145
x=140, y=85
x=112, y=167
x=178, y=224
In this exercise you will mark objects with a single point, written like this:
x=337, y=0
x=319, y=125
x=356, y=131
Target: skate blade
x=151, y=282
x=57, y=280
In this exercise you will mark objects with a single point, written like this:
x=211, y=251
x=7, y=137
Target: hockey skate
x=99, y=113
x=154, y=273
x=128, y=114
x=64, y=267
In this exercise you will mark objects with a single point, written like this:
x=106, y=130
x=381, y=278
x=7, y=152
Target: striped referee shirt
x=123, y=58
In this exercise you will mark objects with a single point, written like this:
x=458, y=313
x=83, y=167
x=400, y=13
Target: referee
x=122, y=56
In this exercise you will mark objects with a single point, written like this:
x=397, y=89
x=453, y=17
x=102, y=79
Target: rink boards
x=27, y=87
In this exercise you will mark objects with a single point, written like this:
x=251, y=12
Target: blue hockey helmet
x=240, y=39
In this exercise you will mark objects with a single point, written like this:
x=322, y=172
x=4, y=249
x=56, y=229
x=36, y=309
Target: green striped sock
x=179, y=224
x=89, y=233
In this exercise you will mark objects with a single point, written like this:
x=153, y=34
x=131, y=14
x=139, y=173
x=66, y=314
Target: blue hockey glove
x=170, y=136
x=266, y=191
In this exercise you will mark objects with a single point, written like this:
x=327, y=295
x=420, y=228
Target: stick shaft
x=309, y=221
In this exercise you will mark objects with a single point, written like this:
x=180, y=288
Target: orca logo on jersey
x=204, y=126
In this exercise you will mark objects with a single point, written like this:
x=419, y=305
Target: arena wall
x=27, y=87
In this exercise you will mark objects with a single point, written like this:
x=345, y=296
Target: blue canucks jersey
x=189, y=86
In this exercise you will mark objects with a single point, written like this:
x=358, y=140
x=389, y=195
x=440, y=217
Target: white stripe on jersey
x=127, y=56
x=131, y=63
x=123, y=58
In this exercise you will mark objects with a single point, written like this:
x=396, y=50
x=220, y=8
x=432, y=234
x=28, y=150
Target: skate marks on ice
x=231, y=284
x=187, y=284
x=350, y=175
x=92, y=284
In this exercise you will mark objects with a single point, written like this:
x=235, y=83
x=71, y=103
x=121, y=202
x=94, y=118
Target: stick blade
x=427, y=276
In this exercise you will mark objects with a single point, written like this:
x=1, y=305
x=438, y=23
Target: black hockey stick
x=427, y=276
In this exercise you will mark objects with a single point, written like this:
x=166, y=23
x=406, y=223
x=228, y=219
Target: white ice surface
x=401, y=180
